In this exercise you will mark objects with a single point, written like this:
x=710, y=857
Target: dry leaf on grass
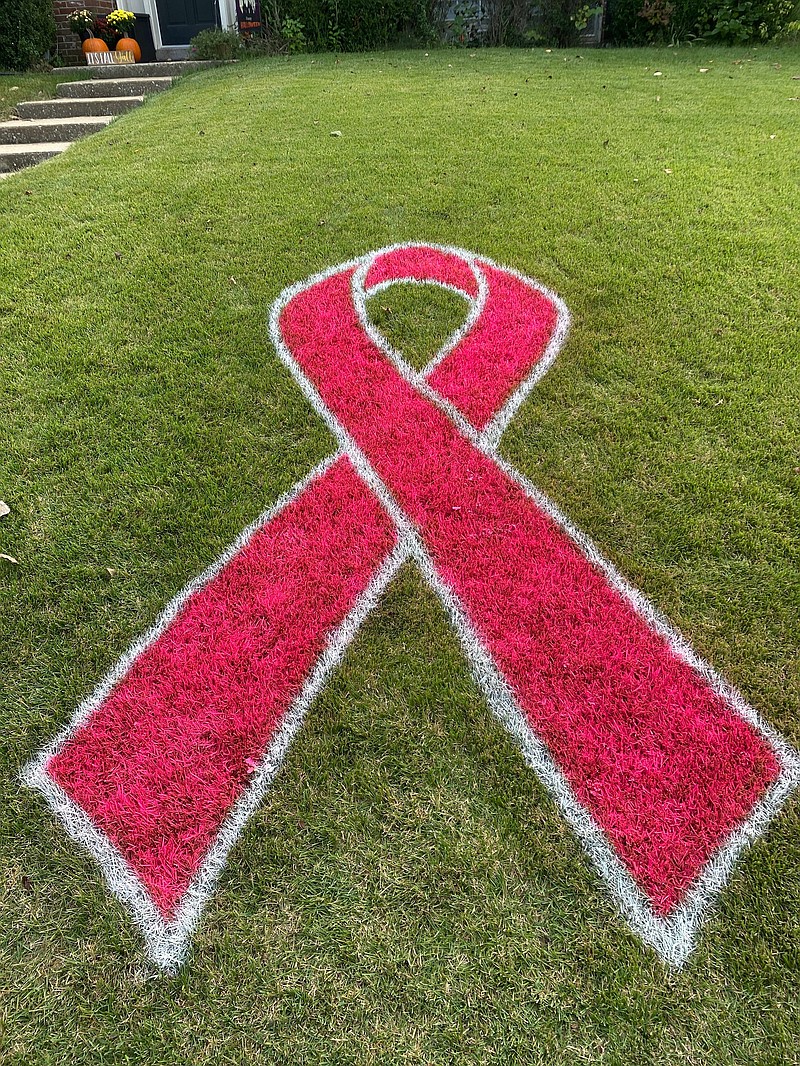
x=9, y=558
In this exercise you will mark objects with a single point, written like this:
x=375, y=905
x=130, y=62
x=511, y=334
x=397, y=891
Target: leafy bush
x=258, y=47
x=358, y=25
x=216, y=44
x=734, y=21
x=562, y=21
x=27, y=31
x=513, y=22
x=293, y=35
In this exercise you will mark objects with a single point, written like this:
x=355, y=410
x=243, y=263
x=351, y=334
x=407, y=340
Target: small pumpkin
x=94, y=44
x=128, y=44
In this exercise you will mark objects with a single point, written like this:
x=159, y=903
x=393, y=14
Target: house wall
x=68, y=44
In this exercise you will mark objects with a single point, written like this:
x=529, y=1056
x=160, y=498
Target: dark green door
x=180, y=20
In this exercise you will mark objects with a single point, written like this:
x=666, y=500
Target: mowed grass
x=15, y=87
x=408, y=892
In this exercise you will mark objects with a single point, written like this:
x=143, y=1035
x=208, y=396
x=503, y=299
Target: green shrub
x=359, y=25
x=562, y=21
x=293, y=36
x=324, y=25
x=513, y=22
x=216, y=44
x=27, y=31
x=734, y=21
x=259, y=47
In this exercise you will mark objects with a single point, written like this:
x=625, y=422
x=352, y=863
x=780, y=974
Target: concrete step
x=149, y=70
x=78, y=107
x=112, y=87
x=18, y=156
x=172, y=52
x=41, y=130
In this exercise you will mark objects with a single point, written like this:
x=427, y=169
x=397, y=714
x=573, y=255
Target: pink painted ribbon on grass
x=659, y=760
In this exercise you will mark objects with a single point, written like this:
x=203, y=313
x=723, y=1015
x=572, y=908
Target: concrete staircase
x=45, y=128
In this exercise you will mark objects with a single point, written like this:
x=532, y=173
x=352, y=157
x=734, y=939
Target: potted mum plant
x=122, y=24
x=82, y=22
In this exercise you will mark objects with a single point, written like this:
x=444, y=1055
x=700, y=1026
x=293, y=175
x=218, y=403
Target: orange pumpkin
x=94, y=44
x=127, y=44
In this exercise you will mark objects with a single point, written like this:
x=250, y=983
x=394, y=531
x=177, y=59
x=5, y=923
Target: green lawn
x=408, y=893
x=16, y=87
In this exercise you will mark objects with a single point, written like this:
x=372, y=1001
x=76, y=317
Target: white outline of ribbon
x=673, y=937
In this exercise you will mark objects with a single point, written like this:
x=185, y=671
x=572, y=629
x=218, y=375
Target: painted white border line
x=674, y=937
x=167, y=943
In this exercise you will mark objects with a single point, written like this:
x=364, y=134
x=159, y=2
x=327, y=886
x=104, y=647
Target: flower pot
x=128, y=44
x=94, y=44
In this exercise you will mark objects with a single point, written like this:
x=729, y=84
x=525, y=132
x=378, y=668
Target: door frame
x=227, y=15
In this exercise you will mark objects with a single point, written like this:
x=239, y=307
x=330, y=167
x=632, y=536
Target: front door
x=180, y=20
